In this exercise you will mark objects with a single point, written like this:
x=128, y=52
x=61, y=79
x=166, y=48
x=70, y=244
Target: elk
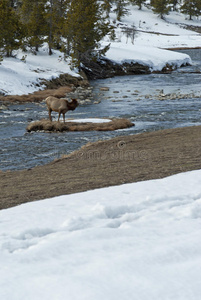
x=60, y=105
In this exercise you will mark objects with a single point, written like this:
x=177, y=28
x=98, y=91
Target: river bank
x=124, y=159
x=79, y=87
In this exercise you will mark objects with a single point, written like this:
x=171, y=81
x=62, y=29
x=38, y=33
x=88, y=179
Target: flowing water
x=133, y=97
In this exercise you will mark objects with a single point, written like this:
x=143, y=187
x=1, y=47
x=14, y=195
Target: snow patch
x=90, y=120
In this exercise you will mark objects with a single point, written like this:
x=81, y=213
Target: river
x=145, y=99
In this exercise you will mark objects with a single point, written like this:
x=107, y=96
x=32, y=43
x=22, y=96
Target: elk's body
x=60, y=105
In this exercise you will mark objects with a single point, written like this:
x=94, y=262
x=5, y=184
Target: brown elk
x=60, y=105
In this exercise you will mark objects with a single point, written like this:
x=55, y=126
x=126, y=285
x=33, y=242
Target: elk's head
x=73, y=104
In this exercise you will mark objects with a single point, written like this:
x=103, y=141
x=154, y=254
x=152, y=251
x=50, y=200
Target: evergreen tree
x=120, y=9
x=10, y=28
x=191, y=8
x=85, y=27
x=106, y=6
x=55, y=17
x=138, y=3
x=33, y=16
x=15, y=3
x=61, y=8
x=198, y=5
x=160, y=7
x=174, y=4
x=49, y=19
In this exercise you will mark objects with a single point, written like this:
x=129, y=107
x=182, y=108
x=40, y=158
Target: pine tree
x=160, y=7
x=106, y=6
x=33, y=16
x=55, y=17
x=61, y=8
x=138, y=3
x=174, y=4
x=191, y=8
x=85, y=27
x=50, y=22
x=198, y=5
x=120, y=9
x=10, y=28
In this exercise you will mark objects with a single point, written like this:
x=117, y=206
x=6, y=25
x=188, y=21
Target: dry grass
x=47, y=125
x=38, y=96
x=57, y=87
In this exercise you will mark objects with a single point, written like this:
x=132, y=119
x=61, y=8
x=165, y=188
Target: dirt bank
x=106, y=163
x=37, y=96
x=57, y=87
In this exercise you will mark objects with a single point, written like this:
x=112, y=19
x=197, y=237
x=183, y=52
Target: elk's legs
x=49, y=111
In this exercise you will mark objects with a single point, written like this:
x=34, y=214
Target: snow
x=133, y=241
x=153, y=35
x=155, y=58
x=19, y=76
x=91, y=120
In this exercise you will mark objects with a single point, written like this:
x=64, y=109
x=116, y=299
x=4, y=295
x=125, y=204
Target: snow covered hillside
x=22, y=74
x=152, y=35
x=135, y=241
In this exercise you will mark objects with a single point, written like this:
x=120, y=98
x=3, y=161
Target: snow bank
x=153, y=57
x=134, y=241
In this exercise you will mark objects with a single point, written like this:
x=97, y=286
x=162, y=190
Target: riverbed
x=151, y=102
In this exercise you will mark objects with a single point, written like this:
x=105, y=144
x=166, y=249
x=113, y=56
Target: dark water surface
x=132, y=97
